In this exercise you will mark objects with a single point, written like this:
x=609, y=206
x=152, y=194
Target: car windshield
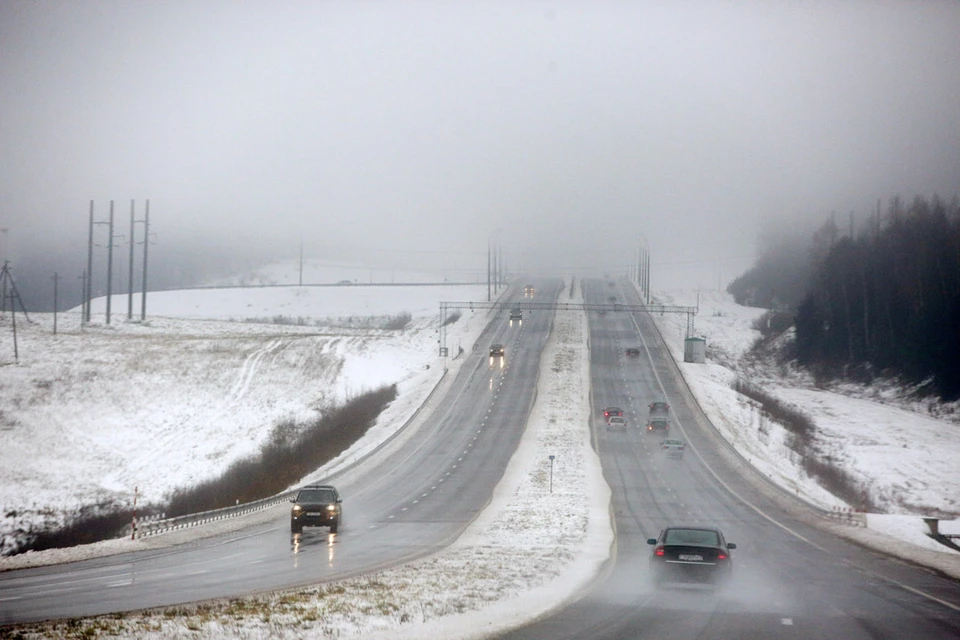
x=691, y=536
x=316, y=495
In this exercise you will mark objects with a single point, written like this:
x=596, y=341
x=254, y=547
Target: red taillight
x=721, y=556
x=658, y=551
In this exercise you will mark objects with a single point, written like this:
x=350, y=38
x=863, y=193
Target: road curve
x=409, y=503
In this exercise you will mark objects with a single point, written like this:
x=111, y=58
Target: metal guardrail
x=149, y=527
x=846, y=516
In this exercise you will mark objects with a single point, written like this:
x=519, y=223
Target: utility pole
x=88, y=281
x=496, y=269
x=7, y=278
x=55, y=278
x=83, y=293
x=499, y=268
x=488, y=269
x=301, y=263
x=130, y=277
x=646, y=272
x=109, y=262
x=146, y=243
x=492, y=262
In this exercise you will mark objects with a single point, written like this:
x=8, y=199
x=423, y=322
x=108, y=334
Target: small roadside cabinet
x=695, y=350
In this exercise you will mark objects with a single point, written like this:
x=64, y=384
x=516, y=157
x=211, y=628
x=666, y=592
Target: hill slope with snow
x=94, y=412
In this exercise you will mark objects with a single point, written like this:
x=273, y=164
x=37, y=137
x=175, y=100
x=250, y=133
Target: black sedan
x=691, y=554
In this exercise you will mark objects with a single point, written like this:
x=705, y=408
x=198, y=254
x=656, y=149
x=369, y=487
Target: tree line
x=881, y=297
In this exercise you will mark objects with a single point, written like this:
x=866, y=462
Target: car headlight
x=331, y=507
x=297, y=508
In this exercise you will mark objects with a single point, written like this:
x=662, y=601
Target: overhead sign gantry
x=615, y=307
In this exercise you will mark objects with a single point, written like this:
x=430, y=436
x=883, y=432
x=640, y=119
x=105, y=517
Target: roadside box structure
x=695, y=350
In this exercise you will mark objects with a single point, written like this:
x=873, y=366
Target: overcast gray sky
x=412, y=131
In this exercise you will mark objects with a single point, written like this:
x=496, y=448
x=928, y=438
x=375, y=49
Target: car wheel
x=335, y=526
x=296, y=528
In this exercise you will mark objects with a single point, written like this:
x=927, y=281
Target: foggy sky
x=410, y=132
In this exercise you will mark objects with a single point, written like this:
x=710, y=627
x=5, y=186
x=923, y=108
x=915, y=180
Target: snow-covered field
x=521, y=564
x=92, y=413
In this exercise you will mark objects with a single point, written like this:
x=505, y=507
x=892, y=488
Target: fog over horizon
x=414, y=134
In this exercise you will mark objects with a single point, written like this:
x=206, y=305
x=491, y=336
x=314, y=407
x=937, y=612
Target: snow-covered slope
x=903, y=452
x=91, y=413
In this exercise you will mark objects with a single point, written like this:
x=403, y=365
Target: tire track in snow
x=247, y=372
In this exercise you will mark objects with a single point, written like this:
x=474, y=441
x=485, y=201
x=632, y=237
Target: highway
x=408, y=502
x=791, y=580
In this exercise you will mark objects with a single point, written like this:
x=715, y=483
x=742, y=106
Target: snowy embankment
x=907, y=459
x=91, y=414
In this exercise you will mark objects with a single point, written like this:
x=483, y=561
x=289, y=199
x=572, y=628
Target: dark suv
x=316, y=505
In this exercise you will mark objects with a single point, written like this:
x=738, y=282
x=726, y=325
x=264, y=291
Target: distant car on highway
x=496, y=350
x=691, y=554
x=516, y=314
x=617, y=422
x=610, y=412
x=673, y=448
x=658, y=424
x=659, y=407
x=316, y=505
x=529, y=291
x=633, y=351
